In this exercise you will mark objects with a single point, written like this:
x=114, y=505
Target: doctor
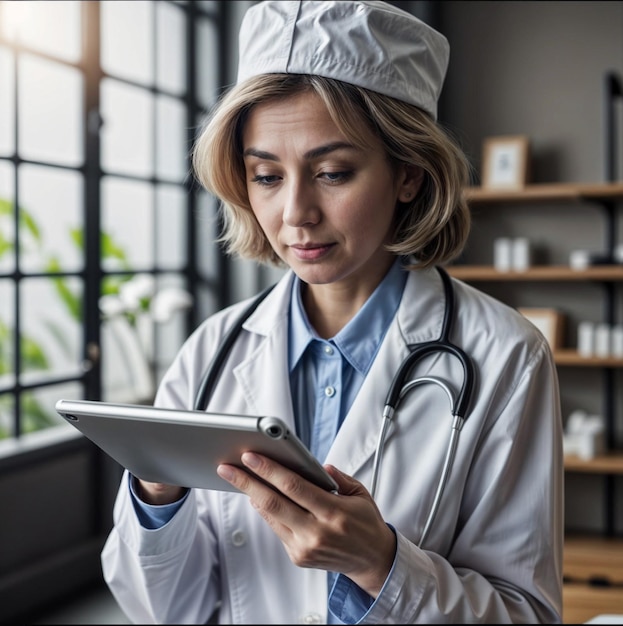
x=329, y=161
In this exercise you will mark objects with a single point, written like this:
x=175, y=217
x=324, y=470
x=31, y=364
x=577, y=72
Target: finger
x=347, y=485
x=276, y=509
x=237, y=477
x=288, y=482
x=262, y=493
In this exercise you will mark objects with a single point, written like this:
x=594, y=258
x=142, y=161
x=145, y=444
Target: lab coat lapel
x=264, y=375
x=419, y=318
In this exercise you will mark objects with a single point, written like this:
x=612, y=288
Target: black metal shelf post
x=611, y=92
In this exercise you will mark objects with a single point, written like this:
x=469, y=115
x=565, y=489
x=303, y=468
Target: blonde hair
x=432, y=228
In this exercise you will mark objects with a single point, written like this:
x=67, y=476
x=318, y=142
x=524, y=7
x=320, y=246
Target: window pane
x=206, y=233
x=127, y=40
x=171, y=227
x=171, y=48
x=209, y=6
x=127, y=342
x=127, y=133
x=7, y=100
x=51, y=225
x=38, y=408
x=7, y=336
x=7, y=416
x=30, y=24
x=172, y=146
x=207, y=62
x=128, y=222
x=7, y=218
x=50, y=111
x=170, y=309
x=51, y=334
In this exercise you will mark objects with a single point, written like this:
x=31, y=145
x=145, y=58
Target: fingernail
x=250, y=459
x=225, y=472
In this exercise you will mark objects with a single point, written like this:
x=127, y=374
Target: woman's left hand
x=341, y=532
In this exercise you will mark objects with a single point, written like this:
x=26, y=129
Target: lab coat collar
x=419, y=319
x=269, y=362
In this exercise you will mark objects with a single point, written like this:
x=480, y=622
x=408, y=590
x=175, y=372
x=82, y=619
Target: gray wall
x=533, y=68
x=537, y=69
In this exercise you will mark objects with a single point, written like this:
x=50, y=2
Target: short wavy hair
x=432, y=229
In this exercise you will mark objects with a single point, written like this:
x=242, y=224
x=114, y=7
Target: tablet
x=184, y=447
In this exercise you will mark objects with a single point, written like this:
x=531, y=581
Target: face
x=325, y=205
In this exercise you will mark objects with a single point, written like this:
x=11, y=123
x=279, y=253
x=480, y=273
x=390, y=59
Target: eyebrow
x=312, y=154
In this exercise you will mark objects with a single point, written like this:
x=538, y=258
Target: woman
x=328, y=160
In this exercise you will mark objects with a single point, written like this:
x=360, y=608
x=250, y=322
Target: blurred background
x=108, y=253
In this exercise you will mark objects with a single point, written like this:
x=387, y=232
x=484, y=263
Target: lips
x=311, y=252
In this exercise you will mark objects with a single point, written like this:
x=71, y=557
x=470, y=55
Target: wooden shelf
x=581, y=602
x=593, y=559
x=548, y=192
x=609, y=463
x=592, y=565
x=573, y=358
x=537, y=273
x=593, y=577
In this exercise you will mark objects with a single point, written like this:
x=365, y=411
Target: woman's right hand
x=158, y=493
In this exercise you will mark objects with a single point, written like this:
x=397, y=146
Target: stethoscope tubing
x=399, y=388
x=459, y=406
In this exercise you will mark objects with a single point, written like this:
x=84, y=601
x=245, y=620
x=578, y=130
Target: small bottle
x=586, y=339
x=503, y=254
x=521, y=254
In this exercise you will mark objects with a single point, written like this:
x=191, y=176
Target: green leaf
x=72, y=302
x=111, y=250
x=29, y=223
x=33, y=357
x=34, y=416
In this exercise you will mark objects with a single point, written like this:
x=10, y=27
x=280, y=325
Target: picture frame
x=505, y=162
x=549, y=321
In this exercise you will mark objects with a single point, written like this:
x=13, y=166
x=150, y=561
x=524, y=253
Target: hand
x=341, y=532
x=157, y=493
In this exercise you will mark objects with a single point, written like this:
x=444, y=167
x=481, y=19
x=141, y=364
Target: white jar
x=503, y=254
x=586, y=339
x=521, y=254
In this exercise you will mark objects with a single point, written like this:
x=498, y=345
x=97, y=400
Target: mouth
x=311, y=251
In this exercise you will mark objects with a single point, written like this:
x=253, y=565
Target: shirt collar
x=361, y=338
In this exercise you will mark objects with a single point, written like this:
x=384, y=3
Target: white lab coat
x=494, y=553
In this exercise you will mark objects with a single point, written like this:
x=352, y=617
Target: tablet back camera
x=273, y=428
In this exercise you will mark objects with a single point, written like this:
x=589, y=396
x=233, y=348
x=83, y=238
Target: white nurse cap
x=369, y=44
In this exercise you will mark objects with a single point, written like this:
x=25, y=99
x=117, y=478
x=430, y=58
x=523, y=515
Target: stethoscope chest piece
x=459, y=405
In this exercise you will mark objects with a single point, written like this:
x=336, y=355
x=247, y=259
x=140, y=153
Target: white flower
x=136, y=289
x=111, y=306
x=167, y=301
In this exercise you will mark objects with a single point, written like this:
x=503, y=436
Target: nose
x=300, y=204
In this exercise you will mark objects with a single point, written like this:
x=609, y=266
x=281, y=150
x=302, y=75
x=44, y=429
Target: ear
x=410, y=179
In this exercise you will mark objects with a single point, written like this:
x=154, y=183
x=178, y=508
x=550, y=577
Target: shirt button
x=311, y=618
x=328, y=350
x=238, y=538
x=329, y=391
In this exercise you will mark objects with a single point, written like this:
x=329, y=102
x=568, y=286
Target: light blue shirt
x=325, y=377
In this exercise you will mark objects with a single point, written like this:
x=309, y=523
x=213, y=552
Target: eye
x=337, y=177
x=265, y=181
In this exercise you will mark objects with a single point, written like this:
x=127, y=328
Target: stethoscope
x=399, y=388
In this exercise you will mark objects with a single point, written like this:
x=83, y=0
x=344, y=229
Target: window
x=99, y=275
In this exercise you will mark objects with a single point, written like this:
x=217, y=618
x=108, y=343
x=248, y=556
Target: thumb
x=347, y=485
